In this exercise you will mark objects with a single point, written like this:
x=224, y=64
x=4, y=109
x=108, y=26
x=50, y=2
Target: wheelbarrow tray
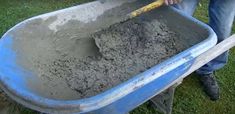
x=15, y=80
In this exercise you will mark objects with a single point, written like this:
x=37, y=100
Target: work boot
x=210, y=86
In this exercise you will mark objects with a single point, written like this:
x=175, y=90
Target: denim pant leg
x=221, y=13
x=187, y=6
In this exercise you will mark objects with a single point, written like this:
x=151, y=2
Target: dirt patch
x=3, y=100
x=6, y=104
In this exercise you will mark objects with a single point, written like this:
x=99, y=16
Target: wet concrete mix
x=117, y=53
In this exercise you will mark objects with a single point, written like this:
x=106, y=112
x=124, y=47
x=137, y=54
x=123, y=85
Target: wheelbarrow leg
x=163, y=102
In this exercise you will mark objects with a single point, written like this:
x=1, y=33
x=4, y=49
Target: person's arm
x=170, y=2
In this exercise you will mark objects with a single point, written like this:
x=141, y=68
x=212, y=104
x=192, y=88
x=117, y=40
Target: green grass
x=189, y=97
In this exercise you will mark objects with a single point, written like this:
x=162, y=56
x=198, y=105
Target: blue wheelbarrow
x=27, y=89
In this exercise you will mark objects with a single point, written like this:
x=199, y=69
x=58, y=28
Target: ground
x=189, y=96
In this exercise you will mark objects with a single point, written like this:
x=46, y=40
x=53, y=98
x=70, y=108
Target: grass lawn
x=189, y=96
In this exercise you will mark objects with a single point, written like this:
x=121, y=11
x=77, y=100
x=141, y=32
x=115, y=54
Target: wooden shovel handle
x=147, y=8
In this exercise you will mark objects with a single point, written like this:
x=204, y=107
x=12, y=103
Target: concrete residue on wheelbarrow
x=117, y=53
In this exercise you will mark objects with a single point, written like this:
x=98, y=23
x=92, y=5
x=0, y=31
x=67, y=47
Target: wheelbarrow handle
x=211, y=54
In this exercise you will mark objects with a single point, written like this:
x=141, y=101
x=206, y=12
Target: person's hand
x=170, y=2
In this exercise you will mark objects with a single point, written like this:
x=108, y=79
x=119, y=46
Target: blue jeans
x=221, y=16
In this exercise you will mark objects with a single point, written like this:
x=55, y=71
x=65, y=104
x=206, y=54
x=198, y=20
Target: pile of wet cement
x=117, y=53
x=125, y=49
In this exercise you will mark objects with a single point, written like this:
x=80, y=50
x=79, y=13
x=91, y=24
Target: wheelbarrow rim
x=84, y=105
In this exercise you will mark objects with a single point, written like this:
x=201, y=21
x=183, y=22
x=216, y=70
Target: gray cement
x=126, y=49
x=77, y=65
